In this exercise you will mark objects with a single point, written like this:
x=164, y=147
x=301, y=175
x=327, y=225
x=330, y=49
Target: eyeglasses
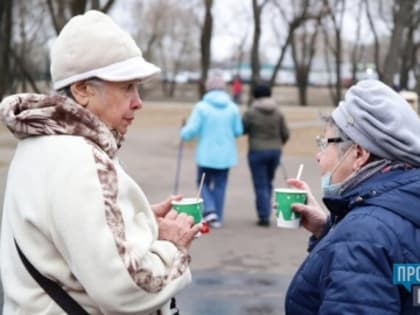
x=323, y=142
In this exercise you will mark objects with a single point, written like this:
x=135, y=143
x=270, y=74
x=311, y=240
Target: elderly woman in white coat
x=70, y=210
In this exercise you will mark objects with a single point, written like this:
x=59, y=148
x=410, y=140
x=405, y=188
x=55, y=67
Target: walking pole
x=178, y=165
x=178, y=161
x=284, y=172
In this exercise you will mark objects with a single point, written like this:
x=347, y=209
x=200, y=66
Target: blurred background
x=303, y=44
x=309, y=51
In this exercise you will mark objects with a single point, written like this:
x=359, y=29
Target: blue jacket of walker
x=350, y=270
x=216, y=122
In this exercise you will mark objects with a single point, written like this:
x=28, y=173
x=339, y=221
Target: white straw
x=299, y=171
x=203, y=176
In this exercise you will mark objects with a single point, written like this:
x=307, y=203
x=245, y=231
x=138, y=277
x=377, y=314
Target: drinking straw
x=201, y=185
x=299, y=173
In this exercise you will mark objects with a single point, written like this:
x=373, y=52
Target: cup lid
x=187, y=201
x=290, y=190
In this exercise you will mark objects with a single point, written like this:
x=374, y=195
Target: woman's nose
x=136, y=103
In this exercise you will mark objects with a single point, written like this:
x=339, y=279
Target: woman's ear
x=361, y=157
x=81, y=92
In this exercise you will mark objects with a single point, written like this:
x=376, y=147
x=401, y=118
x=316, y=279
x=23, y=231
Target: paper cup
x=190, y=206
x=285, y=197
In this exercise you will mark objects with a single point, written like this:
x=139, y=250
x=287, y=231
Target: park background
x=309, y=51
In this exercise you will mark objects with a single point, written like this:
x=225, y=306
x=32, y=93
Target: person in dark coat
x=370, y=165
x=267, y=132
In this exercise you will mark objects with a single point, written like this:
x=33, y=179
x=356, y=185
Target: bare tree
x=205, y=43
x=240, y=50
x=335, y=11
x=407, y=58
x=303, y=51
x=408, y=53
x=156, y=15
x=6, y=26
x=300, y=14
x=416, y=68
x=63, y=10
x=402, y=10
x=29, y=46
x=181, y=48
x=416, y=53
x=171, y=40
x=257, y=9
x=357, y=47
x=376, y=48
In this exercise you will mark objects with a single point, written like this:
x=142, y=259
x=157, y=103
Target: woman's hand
x=162, y=208
x=313, y=217
x=178, y=228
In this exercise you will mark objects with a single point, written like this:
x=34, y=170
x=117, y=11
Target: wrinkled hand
x=313, y=217
x=162, y=208
x=178, y=228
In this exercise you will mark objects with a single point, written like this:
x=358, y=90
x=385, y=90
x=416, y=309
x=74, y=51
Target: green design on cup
x=285, y=197
x=190, y=206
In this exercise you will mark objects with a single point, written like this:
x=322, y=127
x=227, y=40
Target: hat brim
x=130, y=69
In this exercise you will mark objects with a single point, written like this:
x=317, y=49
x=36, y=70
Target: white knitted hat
x=93, y=45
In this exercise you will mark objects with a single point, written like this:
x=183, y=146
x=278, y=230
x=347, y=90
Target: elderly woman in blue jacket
x=369, y=159
x=216, y=122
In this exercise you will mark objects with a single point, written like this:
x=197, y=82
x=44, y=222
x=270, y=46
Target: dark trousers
x=263, y=165
x=214, y=188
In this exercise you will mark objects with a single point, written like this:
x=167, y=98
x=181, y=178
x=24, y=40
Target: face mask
x=329, y=189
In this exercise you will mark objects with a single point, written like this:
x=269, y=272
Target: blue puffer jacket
x=350, y=270
x=216, y=121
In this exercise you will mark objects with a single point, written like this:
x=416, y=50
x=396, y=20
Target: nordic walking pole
x=178, y=165
x=284, y=172
x=178, y=161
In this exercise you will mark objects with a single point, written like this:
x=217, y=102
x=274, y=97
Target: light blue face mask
x=329, y=189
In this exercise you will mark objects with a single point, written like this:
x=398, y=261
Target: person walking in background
x=267, y=133
x=78, y=234
x=216, y=122
x=369, y=157
x=237, y=89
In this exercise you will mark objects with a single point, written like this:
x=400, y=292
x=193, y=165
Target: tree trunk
x=255, y=50
x=338, y=60
x=407, y=59
x=392, y=60
x=376, y=55
x=58, y=16
x=357, y=47
x=6, y=22
x=279, y=62
x=302, y=82
x=62, y=11
x=205, y=42
x=255, y=55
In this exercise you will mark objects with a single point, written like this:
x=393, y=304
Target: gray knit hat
x=381, y=121
x=93, y=45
